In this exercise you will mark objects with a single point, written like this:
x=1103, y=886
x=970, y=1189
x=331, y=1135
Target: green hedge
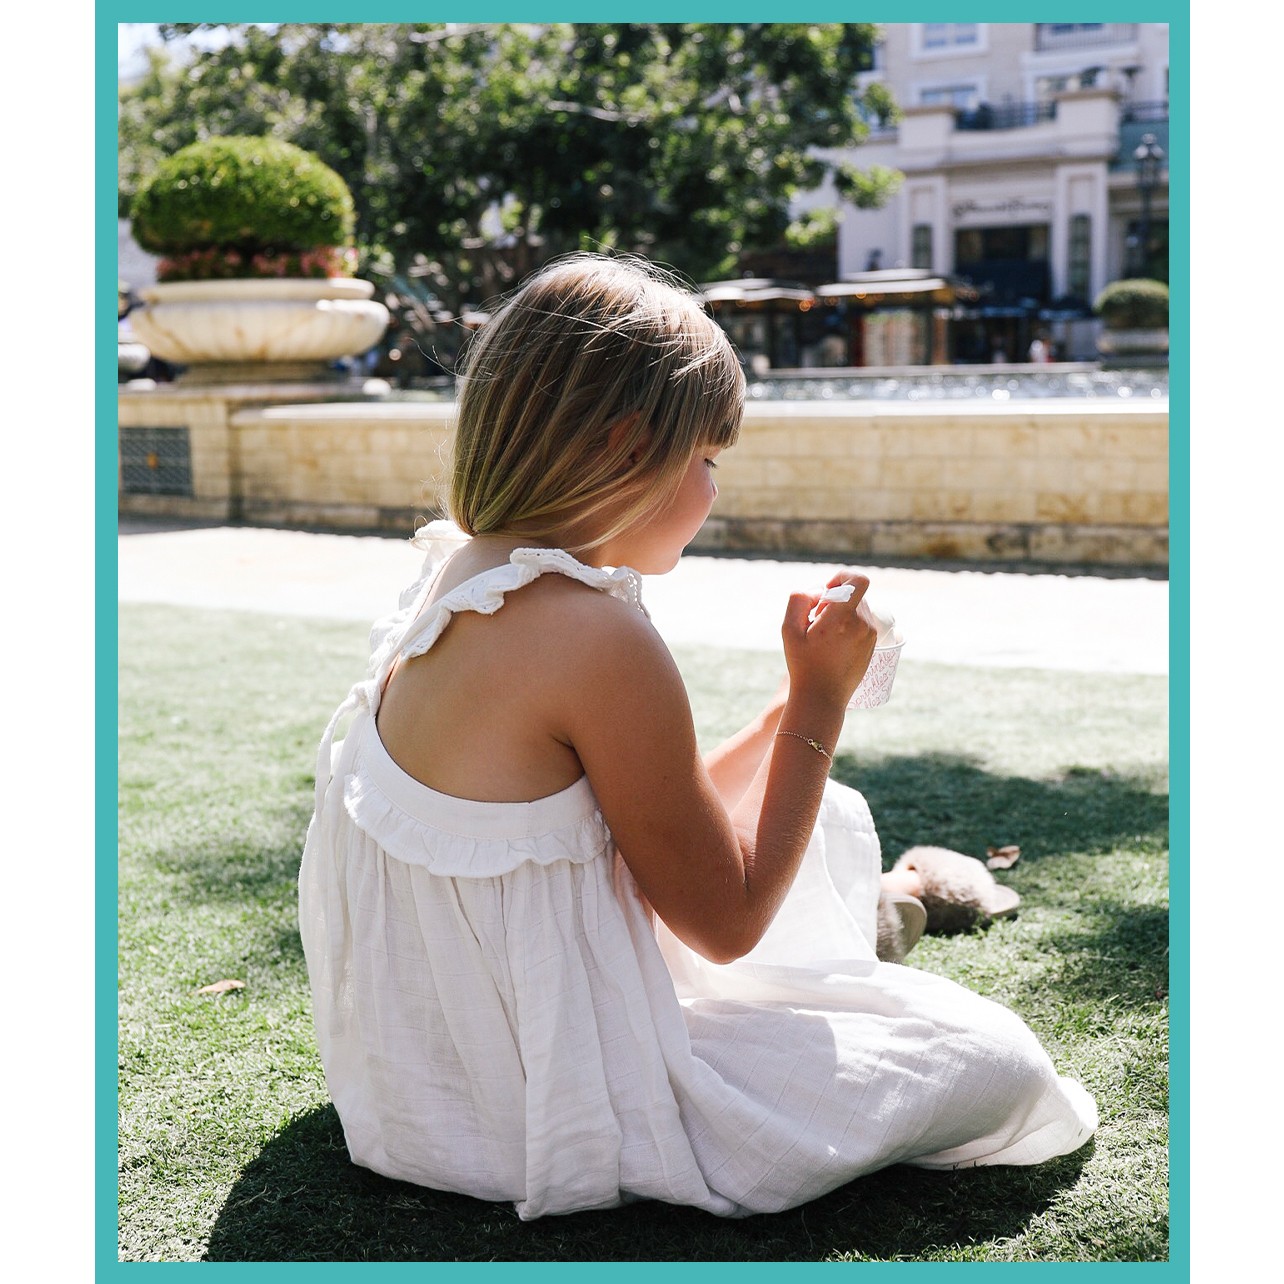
x=247, y=194
x=1133, y=304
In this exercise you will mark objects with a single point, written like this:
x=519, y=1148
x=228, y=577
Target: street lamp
x=1148, y=157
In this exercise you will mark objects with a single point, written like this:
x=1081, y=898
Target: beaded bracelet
x=815, y=744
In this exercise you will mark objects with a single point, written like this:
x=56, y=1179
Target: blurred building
x=1033, y=175
x=134, y=266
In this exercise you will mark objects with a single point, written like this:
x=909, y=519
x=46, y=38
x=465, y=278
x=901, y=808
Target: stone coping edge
x=444, y=412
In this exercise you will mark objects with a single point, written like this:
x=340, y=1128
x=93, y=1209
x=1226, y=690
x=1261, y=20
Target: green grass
x=229, y=1149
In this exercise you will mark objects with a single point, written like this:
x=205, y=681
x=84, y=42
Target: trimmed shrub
x=1133, y=304
x=244, y=207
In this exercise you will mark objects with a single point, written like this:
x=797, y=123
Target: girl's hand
x=828, y=657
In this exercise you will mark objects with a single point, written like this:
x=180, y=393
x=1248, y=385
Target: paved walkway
x=974, y=617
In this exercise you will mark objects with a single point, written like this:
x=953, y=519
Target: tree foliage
x=477, y=151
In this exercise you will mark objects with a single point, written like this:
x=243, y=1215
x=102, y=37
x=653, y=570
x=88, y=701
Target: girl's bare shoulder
x=584, y=626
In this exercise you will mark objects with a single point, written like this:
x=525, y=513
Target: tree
x=477, y=151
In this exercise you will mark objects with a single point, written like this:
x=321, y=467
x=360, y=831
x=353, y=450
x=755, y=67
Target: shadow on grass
x=1117, y=958
x=951, y=801
x=301, y=1199
x=224, y=859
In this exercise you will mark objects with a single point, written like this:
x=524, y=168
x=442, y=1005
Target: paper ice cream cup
x=876, y=686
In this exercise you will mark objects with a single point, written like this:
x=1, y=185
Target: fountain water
x=996, y=383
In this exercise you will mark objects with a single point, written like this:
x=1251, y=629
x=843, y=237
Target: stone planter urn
x=1135, y=315
x=1122, y=343
x=131, y=358
x=1122, y=349
x=255, y=330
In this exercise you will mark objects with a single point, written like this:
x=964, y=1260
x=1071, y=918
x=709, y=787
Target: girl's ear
x=623, y=433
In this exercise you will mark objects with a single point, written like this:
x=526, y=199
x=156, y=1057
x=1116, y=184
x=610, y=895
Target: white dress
x=498, y=1015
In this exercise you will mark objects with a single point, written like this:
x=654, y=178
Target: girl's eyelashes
x=711, y=463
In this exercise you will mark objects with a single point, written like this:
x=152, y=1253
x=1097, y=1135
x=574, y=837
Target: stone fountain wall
x=1049, y=481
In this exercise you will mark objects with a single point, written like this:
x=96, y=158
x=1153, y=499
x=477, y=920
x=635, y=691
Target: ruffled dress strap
x=485, y=593
x=439, y=540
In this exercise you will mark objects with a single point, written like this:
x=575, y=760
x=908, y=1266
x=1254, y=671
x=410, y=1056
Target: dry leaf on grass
x=221, y=987
x=1002, y=857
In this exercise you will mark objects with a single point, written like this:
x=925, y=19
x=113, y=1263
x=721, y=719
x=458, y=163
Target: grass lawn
x=229, y=1149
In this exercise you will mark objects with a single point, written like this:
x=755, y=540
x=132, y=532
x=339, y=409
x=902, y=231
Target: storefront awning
x=755, y=289
x=868, y=289
x=768, y=294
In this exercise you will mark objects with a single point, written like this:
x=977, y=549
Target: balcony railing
x=1082, y=35
x=1144, y=113
x=1004, y=115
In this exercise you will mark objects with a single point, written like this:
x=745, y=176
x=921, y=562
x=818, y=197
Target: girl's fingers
x=798, y=613
x=847, y=586
x=817, y=611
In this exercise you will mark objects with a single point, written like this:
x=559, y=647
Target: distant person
x=559, y=957
x=833, y=350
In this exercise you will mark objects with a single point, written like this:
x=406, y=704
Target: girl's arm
x=734, y=763
x=716, y=876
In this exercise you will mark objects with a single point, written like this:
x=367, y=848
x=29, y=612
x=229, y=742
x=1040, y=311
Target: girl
x=556, y=957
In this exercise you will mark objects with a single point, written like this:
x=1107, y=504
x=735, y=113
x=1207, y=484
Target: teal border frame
x=106, y=18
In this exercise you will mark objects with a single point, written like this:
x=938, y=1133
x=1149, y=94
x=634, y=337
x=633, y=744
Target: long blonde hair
x=595, y=362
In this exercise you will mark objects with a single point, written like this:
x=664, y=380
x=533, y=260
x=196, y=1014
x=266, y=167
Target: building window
x=1046, y=88
x=1079, y=272
x=921, y=246
x=962, y=97
x=1056, y=36
x=936, y=37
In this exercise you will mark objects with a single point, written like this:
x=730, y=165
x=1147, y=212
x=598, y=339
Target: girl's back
x=481, y=714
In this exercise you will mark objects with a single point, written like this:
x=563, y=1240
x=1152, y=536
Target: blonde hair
x=596, y=361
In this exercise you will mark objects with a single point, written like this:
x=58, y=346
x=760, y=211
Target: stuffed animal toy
x=959, y=892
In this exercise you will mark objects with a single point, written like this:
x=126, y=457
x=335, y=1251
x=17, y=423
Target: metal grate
x=155, y=461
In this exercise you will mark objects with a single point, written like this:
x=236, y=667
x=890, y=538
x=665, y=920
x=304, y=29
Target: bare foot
x=903, y=882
